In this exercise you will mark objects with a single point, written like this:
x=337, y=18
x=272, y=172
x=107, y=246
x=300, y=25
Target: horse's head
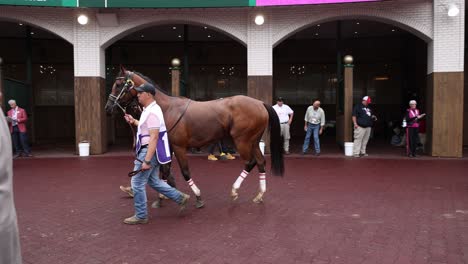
x=123, y=91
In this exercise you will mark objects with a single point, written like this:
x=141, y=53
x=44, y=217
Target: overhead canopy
x=169, y=3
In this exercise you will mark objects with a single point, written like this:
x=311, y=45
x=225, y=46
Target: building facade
x=442, y=37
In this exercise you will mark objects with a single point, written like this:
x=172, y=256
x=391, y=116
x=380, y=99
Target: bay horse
x=195, y=124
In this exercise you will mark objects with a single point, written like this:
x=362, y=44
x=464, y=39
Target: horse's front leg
x=181, y=156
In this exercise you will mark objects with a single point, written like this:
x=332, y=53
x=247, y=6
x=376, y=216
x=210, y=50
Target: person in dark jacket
x=363, y=119
x=412, y=118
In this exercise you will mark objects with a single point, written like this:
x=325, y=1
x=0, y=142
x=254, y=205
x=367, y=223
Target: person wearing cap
x=314, y=123
x=285, y=114
x=363, y=120
x=151, y=151
x=412, y=118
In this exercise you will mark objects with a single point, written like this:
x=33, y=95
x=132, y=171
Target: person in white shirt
x=314, y=123
x=285, y=114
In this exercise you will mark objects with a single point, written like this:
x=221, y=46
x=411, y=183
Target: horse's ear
x=122, y=69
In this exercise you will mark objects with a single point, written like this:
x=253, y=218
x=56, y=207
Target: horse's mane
x=146, y=78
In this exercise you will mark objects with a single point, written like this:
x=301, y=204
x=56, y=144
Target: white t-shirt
x=283, y=112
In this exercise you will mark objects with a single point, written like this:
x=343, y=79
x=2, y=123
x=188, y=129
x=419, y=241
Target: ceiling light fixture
x=453, y=10
x=259, y=20
x=83, y=19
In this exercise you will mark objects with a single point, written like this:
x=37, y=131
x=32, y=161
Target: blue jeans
x=151, y=177
x=20, y=141
x=312, y=128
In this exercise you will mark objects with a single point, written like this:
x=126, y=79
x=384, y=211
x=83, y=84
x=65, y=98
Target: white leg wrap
x=195, y=189
x=240, y=179
x=262, y=178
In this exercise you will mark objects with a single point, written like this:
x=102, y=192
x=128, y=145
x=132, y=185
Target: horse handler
x=151, y=139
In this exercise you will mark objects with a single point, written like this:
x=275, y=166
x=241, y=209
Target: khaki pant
x=361, y=137
x=286, y=136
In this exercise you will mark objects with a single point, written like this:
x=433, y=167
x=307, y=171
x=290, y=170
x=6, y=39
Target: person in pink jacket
x=412, y=118
x=17, y=118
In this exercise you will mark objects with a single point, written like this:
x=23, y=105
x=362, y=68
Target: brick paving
x=325, y=210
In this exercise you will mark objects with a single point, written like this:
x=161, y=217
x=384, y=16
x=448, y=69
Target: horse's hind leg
x=262, y=175
x=235, y=187
x=245, y=152
x=183, y=163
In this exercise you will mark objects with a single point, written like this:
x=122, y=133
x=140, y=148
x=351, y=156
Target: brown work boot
x=128, y=190
x=133, y=220
x=183, y=203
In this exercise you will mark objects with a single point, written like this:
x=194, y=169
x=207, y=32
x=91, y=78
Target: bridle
x=128, y=86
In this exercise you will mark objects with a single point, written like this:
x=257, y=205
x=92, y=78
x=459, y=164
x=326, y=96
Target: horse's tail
x=276, y=142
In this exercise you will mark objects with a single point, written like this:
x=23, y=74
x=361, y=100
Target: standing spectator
x=412, y=117
x=17, y=118
x=363, y=119
x=285, y=114
x=314, y=123
x=9, y=240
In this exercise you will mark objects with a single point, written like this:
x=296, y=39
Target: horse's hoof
x=199, y=204
x=156, y=204
x=258, y=200
x=234, y=194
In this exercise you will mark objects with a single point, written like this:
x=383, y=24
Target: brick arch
x=42, y=21
x=418, y=28
x=129, y=26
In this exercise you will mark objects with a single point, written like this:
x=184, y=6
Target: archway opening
x=38, y=74
x=390, y=66
x=214, y=65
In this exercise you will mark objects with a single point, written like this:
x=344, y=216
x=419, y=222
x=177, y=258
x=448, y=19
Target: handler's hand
x=129, y=118
x=145, y=167
x=305, y=128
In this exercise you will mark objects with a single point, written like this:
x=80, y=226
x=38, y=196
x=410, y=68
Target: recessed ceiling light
x=20, y=24
x=316, y=34
x=174, y=27
x=142, y=36
x=32, y=33
x=357, y=23
x=209, y=36
x=318, y=25
x=355, y=32
x=205, y=27
x=393, y=30
x=180, y=36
